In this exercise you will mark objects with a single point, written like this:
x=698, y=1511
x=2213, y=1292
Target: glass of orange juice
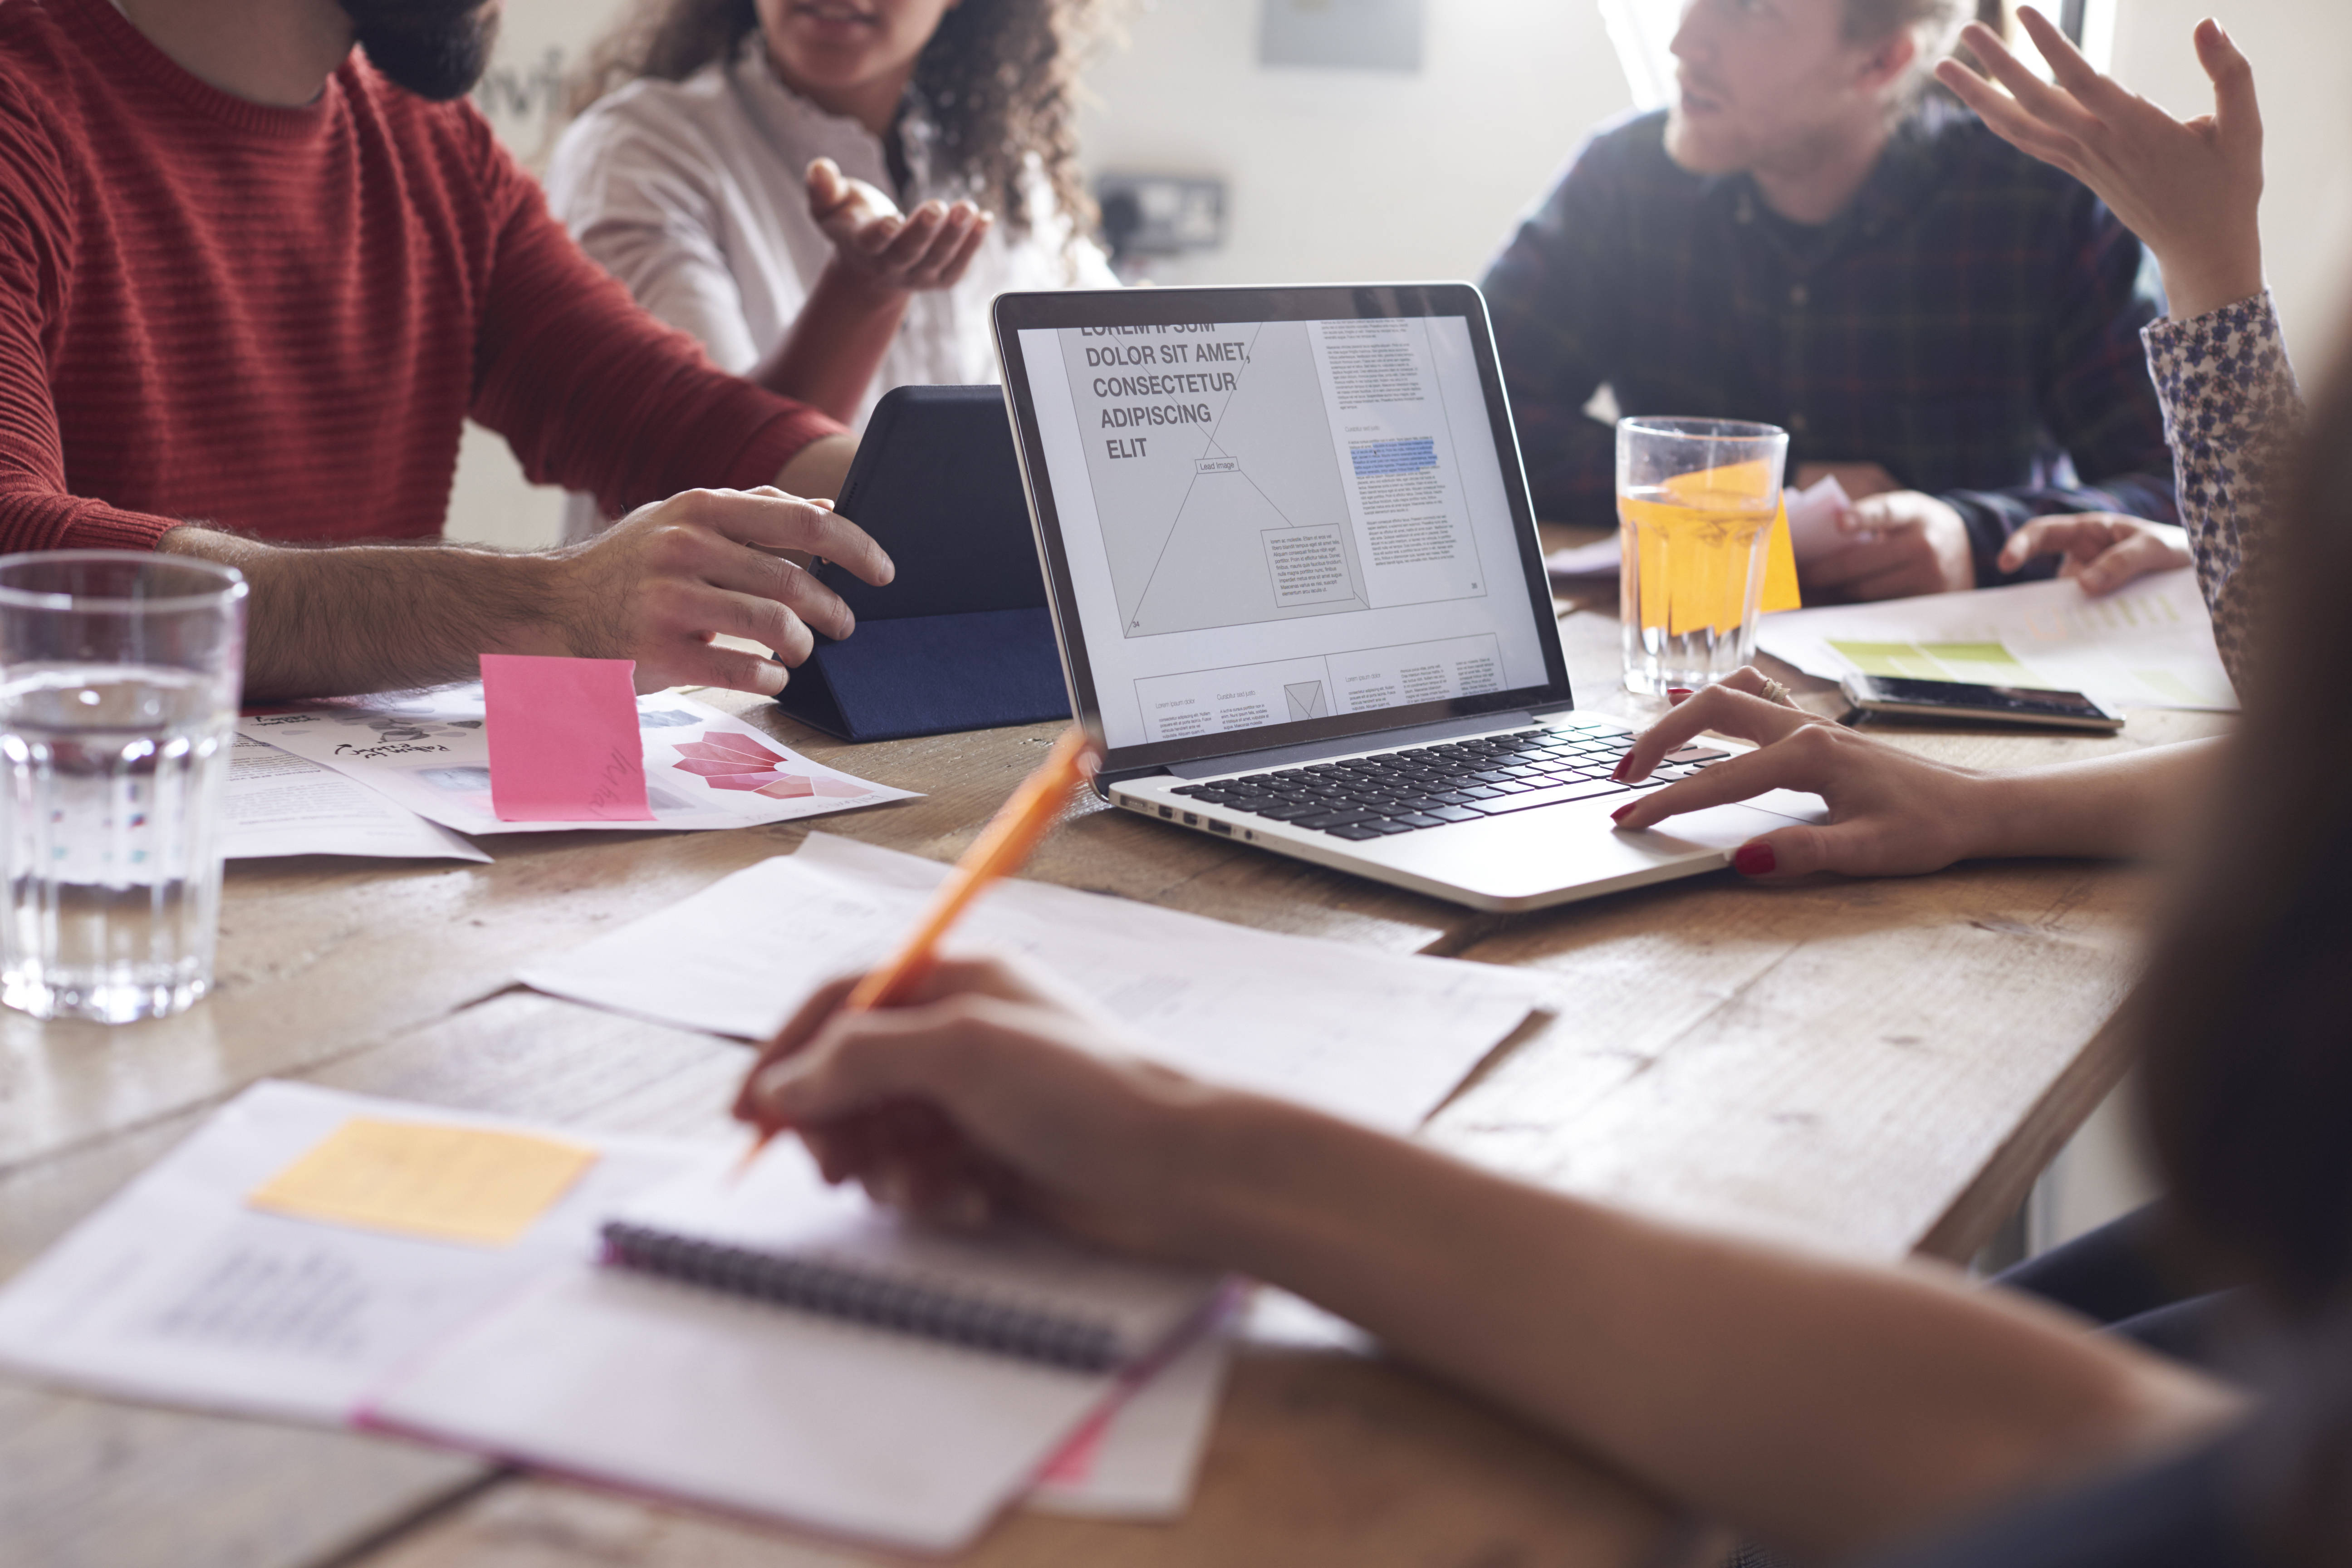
x=1696, y=499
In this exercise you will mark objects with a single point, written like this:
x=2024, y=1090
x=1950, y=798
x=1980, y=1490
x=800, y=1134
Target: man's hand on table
x=2102, y=549
x=656, y=587
x=1904, y=544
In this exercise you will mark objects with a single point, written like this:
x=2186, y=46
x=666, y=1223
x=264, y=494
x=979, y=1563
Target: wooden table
x=1880, y=1067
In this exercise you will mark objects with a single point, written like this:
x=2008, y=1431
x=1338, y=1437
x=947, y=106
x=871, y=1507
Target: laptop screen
x=1279, y=524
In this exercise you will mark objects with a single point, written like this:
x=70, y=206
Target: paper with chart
x=1277, y=521
x=2150, y=644
x=179, y=1290
x=1375, y=1036
x=279, y=804
x=428, y=751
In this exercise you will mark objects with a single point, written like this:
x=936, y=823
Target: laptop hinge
x=1347, y=745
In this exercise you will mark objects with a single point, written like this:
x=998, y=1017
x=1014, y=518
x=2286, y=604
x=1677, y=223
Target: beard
x=435, y=48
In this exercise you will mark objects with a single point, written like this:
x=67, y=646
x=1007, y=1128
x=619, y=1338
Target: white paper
x=279, y=803
x=1813, y=516
x=430, y=751
x=859, y=1431
x=1599, y=559
x=2148, y=644
x=176, y=1291
x=1141, y=1461
x=1373, y=1037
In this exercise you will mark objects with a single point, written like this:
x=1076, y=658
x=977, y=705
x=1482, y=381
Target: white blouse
x=693, y=194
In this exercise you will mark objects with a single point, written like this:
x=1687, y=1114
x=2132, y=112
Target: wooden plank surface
x=1878, y=1065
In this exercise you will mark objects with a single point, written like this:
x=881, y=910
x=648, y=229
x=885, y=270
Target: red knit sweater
x=277, y=320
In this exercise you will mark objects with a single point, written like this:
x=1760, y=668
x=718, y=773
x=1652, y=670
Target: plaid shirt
x=1971, y=323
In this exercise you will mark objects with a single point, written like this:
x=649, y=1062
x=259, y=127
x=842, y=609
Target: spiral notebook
x=778, y=1347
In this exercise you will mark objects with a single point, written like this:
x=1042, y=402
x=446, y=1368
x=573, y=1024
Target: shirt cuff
x=67, y=522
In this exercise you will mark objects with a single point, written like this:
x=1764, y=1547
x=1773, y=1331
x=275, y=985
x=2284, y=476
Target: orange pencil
x=1002, y=846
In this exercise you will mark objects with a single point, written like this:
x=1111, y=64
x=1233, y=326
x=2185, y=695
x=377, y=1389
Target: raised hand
x=927, y=248
x=2190, y=189
x=2102, y=549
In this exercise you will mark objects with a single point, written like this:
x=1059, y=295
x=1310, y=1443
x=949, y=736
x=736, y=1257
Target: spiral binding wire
x=877, y=1300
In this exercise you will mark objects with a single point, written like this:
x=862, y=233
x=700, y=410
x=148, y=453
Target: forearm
x=2118, y=807
x=377, y=617
x=1993, y=515
x=1824, y=1406
x=836, y=345
x=2232, y=437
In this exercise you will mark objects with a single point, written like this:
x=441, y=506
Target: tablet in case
x=960, y=640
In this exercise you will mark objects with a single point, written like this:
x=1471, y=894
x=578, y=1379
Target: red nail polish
x=1754, y=860
x=1620, y=814
x=1678, y=695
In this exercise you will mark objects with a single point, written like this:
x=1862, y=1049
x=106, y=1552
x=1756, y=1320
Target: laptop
x=1299, y=597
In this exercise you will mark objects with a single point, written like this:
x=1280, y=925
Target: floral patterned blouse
x=2232, y=412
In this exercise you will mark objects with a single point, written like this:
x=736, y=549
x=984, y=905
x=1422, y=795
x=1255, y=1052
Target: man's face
x=1764, y=81
x=435, y=48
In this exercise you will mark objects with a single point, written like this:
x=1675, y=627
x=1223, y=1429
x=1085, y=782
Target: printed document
x=1374, y=1037
x=428, y=751
x=279, y=803
x=2150, y=644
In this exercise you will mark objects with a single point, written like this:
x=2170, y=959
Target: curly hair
x=998, y=80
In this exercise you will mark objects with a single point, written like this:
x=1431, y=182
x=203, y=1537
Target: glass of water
x=1696, y=499
x=119, y=682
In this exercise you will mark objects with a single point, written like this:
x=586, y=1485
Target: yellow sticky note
x=1781, y=591
x=414, y=1178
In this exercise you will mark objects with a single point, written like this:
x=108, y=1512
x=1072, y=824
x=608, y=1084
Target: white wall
x=2301, y=52
x=1346, y=175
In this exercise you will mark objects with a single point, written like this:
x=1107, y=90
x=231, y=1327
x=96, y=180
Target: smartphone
x=1984, y=704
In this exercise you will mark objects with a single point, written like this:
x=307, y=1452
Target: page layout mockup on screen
x=1271, y=521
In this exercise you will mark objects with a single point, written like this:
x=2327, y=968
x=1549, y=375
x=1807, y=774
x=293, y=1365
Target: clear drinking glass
x=1695, y=503
x=119, y=682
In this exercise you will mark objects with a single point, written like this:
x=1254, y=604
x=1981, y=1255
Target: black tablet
x=936, y=484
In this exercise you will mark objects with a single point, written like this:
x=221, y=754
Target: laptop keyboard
x=1430, y=786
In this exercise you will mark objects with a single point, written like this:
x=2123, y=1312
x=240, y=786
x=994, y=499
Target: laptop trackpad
x=1729, y=827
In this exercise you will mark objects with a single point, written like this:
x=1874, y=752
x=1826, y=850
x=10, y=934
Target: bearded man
x=252, y=281
x=1811, y=238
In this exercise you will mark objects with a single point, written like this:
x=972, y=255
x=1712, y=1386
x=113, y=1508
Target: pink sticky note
x=564, y=744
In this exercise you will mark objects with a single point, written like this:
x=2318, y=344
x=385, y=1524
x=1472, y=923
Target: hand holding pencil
x=1001, y=849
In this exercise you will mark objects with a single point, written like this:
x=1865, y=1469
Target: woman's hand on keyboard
x=1892, y=811
x=988, y=1094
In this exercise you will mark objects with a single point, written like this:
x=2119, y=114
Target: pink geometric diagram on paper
x=726, y=761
